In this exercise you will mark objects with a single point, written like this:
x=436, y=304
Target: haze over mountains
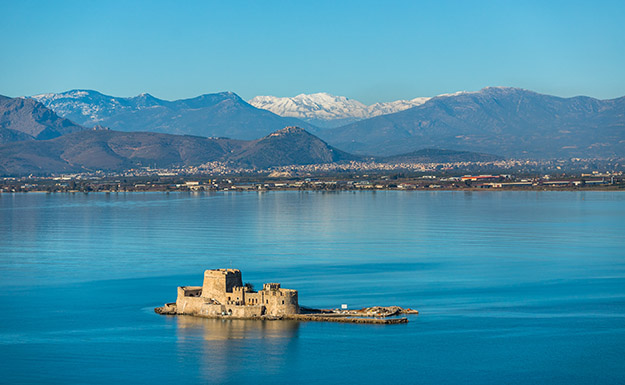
x=222, y=114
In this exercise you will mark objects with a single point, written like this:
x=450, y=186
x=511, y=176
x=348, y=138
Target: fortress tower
x=219, y=282
x=223, y=294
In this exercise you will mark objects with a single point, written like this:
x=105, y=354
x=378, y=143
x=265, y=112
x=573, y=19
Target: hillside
x=506, y=121
x=27, y=119
x=222, y=114
x=291, y=145
x=111, y=151
x=92, y=150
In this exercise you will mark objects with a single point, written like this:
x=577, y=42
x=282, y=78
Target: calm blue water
x=513, y=287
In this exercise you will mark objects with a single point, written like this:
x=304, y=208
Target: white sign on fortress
x=223, y=294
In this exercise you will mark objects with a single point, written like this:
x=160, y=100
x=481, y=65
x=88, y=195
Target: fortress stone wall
x=218, y=283
x=223, y=294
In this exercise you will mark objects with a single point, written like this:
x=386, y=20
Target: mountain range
x=330, y=111
x=41, y=142
x=222, y=114
x=510, y=122
x=109, y=150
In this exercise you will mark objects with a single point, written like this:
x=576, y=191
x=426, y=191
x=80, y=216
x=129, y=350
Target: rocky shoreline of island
x=223, y=295
x=383, y=315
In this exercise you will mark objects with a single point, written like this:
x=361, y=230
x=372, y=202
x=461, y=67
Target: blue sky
x=370, y=51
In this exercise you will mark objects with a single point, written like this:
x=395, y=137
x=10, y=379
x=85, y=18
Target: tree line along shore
x=85, y=183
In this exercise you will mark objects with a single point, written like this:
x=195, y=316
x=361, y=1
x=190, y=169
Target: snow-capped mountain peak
x=327, y=110
x=82, y=106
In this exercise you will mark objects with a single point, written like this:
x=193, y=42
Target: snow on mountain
x=326, y=110
x=86, y=107
x=90, y=108
x=222, y=114
x=510, y=122
x=396, y=106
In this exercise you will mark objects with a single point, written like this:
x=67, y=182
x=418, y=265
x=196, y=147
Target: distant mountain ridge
x=508, y=121
x=107, y=150
x=329, y=111
x=222, y=114
x=27, y=126
x=92, y=150
x=26, y=119
x=435, y=155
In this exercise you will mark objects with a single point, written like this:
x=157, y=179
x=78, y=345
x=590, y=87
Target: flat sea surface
x=512, y=287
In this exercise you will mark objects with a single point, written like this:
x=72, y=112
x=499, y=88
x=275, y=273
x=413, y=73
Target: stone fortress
x=223, y=294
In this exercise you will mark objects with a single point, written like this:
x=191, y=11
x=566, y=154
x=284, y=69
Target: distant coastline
x=199, y=184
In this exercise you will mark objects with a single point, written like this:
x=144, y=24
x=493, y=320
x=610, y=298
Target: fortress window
x=283, y=302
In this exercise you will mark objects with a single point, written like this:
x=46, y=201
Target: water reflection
x=234, y=329
x=223, y=347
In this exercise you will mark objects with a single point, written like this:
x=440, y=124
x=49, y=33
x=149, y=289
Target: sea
x=511, y=287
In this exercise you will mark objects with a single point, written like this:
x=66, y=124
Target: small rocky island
x=223, y=295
